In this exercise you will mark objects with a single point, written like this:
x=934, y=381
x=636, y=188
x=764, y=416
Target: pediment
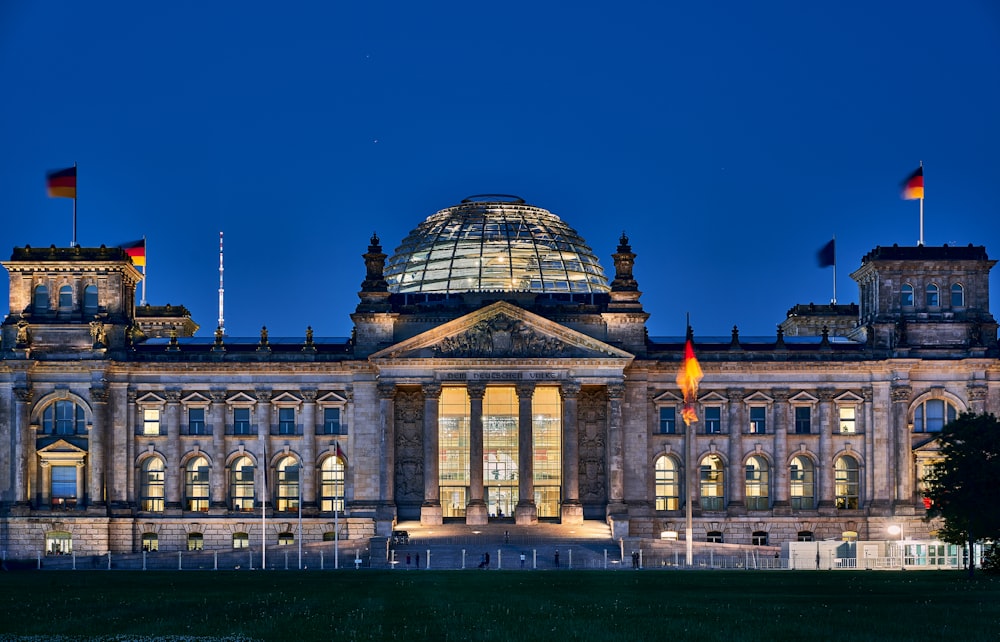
x=61, y=446
x=848, y=398
x=804, y=398
x=712, y=398
x=501, y=331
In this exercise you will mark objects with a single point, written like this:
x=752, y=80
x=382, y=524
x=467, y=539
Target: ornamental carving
x=593, y=405
x=409, y=447
x=593, y=467
x=900, y=393
x=976, y=392
x=500, y=336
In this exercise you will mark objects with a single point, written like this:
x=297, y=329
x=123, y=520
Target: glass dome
x=494, y=242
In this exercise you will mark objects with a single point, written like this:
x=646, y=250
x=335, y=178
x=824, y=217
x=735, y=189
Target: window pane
x=957, y=296
x=668, y=422
x=803, y=420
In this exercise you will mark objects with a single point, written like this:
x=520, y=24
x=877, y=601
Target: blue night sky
x=730, y=140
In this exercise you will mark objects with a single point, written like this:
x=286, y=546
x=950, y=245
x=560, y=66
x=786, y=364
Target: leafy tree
x=963, y=487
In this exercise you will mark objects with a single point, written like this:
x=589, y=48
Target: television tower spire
x=222, y=290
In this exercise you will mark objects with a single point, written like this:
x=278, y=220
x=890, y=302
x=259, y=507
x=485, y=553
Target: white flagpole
x=298, y=483
x=263, y=499
x=834, y=269
x=76, y=192
x=921, y=207
x=336, y=516
x=145, y=260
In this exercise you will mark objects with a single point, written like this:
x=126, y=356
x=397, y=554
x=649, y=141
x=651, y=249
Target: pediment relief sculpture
x=500, y=336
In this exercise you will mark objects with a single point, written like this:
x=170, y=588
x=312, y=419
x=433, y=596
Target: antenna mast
x=222, y=290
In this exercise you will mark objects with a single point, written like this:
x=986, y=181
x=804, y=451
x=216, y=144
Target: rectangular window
x=196, y=421
x=758, y=425
x=331, y=421
x=63, y=484
x=713, y=420
x=668, y=421
x=241, y=421
x=803, y=420
x=150, y=421
x=847, y=426
x=286, y=421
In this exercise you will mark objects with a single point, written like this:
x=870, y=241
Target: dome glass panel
x=498, y=244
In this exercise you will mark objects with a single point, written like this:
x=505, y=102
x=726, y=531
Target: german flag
x=913, y=186
x=62, y=183
x=136, y=250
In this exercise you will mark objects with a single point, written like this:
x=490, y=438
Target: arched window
x=713, y=537
x=756, y=483
x=847, y=482
x=667, y=486
x=41, y=300
x=932, y=415
x=64, y=417
x=196, y=542
x=805, y=536
x=196, y=476
x=331, y=485
x=957, y=296
x=66, y=298
x=712, y=477
x=801, y=485
x=151, y=485
x=759, y=538
x=150, y=542
x=933, y=299
x=241, y=540
x=241, y=484
x=906, y=296
x=288, y=484
x=286, y=539
x=90, y=301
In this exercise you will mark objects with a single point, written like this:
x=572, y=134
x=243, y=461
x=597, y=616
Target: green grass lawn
x=500, y=605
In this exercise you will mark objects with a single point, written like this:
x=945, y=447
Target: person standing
x=557, y=558
x=522, y=560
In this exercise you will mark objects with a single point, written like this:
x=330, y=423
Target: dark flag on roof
x=827, y=255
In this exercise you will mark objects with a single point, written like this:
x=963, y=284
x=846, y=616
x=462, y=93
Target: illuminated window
x=847, y=422
x=906, y=296
x=151, y=485
x=150, y=542
x=196, y=421
x=286, y=539
x=63, y=485
x=195, y=542
x=758, y=422
x=58, y=543
x=932, y=296
x=41, y=299
x=932, y=415
x=668, y=421
x=756, y=483
x=803, y=420
x=288, y=484
x=713, y=420
x=150, y=421
x=196, y=476
x=667, y=484
x=802, y=488
x=64, y=418
x=242, y=490
x=847, y=483
x=712, y=478
x=331, y=485
x=241, y=540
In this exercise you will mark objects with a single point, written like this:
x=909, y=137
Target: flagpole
x=336, y=517
x=921, y=209
x=144, y=262
x=263, y=499
x=298, y=483
x=76, y=191
x=835, y=269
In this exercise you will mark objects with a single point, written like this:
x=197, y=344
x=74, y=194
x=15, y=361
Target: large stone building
x=493, y=373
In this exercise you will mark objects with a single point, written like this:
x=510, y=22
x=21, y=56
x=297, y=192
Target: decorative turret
x=373, y=320
x=625, y=317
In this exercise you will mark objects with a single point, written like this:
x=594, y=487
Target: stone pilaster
x=24, y=455
x=386, y=513
x=616, y=450
x=900, y=395
x=735, y=472
x=430, y=511
x=782, y=421
x=173, y=473
x=216, y=419
x=96, y=447
x=825, y=471
x=265, y=451
x=308, y=474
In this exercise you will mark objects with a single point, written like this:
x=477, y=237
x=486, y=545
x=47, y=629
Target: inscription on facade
x=501, y=376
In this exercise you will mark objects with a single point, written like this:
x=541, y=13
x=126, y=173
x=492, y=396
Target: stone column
x=386, y=513
x=736, y=474
x=262, y=416
x=977, y=393
x=616, y=451
x=571, y=510
x=779, y=474
x=217, y=420
x=900, y=395
x=865, y=427
x=825, y=475
x=307, y=475
x=476, y=510
x=525, y=512
x=95, y=448
x=173, y=472
x=430, y=510
x=79, y=478
x=130, y=435
x=24, y=455
x=45, y=496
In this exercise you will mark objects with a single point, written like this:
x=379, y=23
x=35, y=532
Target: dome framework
x=494, y=243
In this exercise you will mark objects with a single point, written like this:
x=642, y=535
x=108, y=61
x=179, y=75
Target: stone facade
x=118, y=428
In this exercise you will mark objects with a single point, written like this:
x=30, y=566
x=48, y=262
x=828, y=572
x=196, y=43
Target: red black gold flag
x=62, y=183
x=913, y=186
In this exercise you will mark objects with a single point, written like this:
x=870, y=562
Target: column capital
x=781, y=394
x=616, y=390
x=826, y=394
x=525, y=389
x=867, y=394
x=99, y=394
x=23, y=394
x=386, y=390
x=735, y=395
x=977, y=391
x=172, y=396
x=218, y=396
x=262, y=396
x=131, y=396
x=308, y=395
x=569, y=389
x=431, y=390
x=476, y=389
x=900, y=394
